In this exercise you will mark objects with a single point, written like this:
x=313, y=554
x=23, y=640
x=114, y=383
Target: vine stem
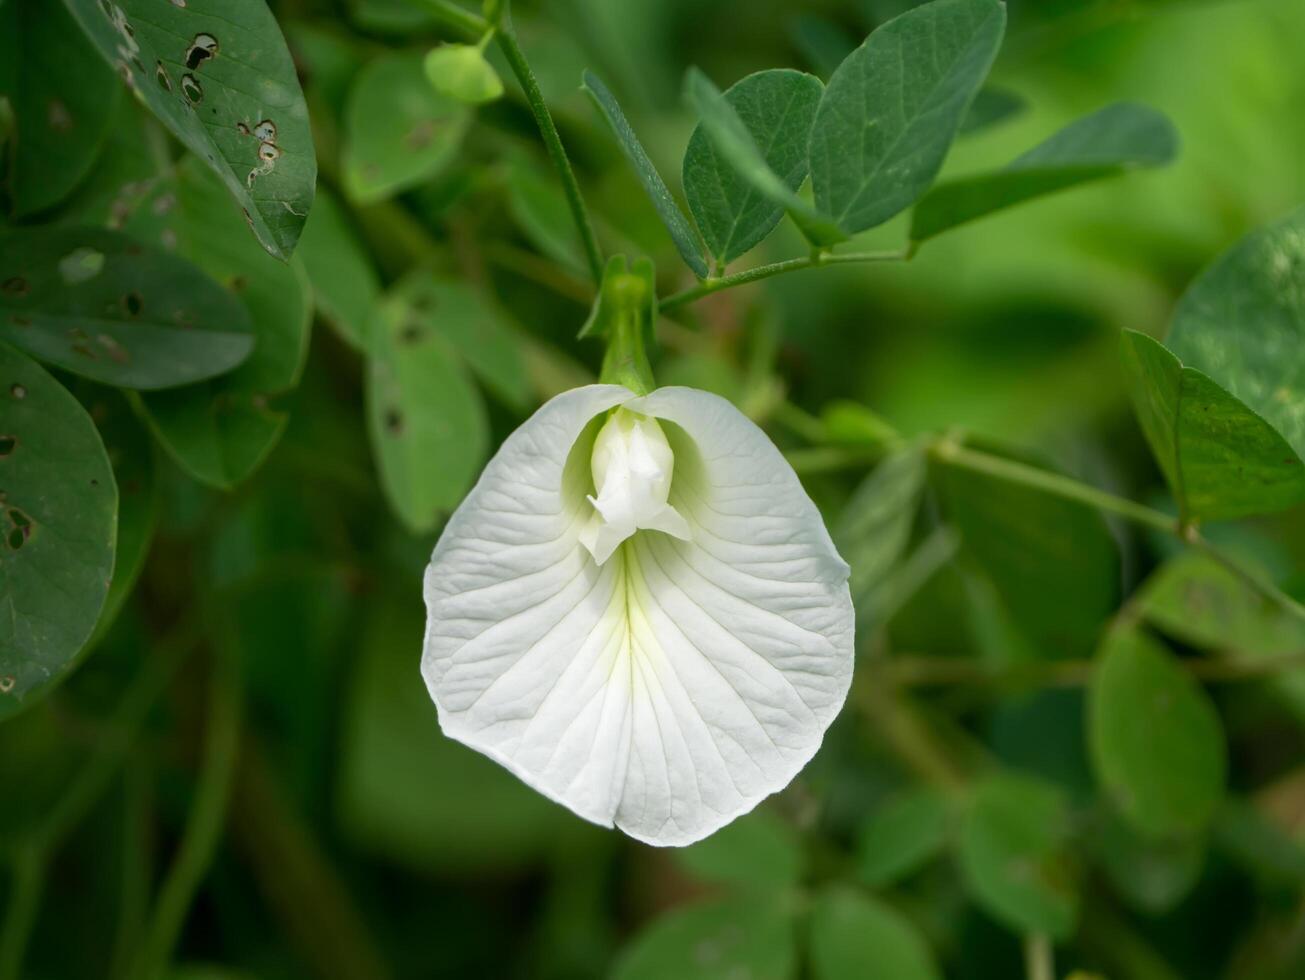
x=949, y=450
x=812, y=261
x=507, y=42
x=1039, y=958
x=474, y=27
x=24, y=902
x=204, y=823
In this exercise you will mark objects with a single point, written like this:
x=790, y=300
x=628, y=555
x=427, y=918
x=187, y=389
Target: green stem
x=813, y=261
x=953, y=453
x=507, y=42
x=203, y=824
x=1039, y=958
x=23, y=903
x=460, y=19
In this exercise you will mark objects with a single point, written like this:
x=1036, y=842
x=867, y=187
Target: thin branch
x=813, y=261
x=1039, y=958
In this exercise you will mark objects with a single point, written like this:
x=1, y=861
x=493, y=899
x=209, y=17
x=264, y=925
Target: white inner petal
x=633, y=467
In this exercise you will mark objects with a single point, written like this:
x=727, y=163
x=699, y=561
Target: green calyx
x=624, y=314
x=461, y=72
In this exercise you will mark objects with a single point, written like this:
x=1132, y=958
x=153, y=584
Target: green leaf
x=58, y=523
x=892, y=109
x=221, y=430
x=737, y=191
x=1052, y=562
x=1153, y=876
x=741, y=935
x=1156, y=740
x=539, y=208
x=408, y=793
x=460, y=72
x=875, y=527
x=131, y=454
x=428, y=426
x=476, y=329
x=345, y=285
x=103, y=306
x=1201, y=603
x=1242, y=323
x=822, y=43
x=399, y=132
x=1013, y=858
x=902, y=836
x=224, y=83
x=1220, y=458
x=757, y=849
x=64, y=99
x=991, y=106
x=682, y=233
x=853, y=935
x=1109, y=142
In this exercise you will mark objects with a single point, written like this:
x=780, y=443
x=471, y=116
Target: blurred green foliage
x=1066, y=729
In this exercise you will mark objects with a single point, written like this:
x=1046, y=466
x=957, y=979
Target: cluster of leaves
x=1025, y=757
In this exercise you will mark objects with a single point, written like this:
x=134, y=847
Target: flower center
x=632, y=466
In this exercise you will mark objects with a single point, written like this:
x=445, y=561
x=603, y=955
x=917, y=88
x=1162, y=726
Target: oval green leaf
x=740, y=935
x=221, y=430
x=1220, y=458
x=875, y=527
x=398, y=131
x=892, y=109
x=1013, y=857
x=1109, y=142
x=428, y=426
x=1156, y=740
x=58, y=524
x=853, y=935
x=902, y=836
x=64, y=99
x=345, y=284
x=222, y=80
x=99, y=304
x=757, y=849
x=682, y=233
x=1242, y=323
x=775, y=109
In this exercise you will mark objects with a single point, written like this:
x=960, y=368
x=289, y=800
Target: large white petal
x=676, y=686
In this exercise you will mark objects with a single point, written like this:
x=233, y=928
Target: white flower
x=640, y=613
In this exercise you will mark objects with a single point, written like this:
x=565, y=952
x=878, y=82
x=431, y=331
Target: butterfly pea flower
x=639, y=612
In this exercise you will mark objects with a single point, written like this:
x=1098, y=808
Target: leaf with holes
x=427, y=421
x=682, y=233
x=345, y=284
x=63, y=114
x=1242, y=323
x=1220, y=458
x=398, y=132
x=221, y=430
x=1109, y=142
x=739, y=935
x=853, y=935
x=58, y=522
x=1013, y=857
x=1157, y=742
x=219, y=76
x=743, y=168
x=892, y=109
x=99, y=304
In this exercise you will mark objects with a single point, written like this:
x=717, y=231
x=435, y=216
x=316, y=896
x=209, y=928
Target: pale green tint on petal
x=674, y=687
